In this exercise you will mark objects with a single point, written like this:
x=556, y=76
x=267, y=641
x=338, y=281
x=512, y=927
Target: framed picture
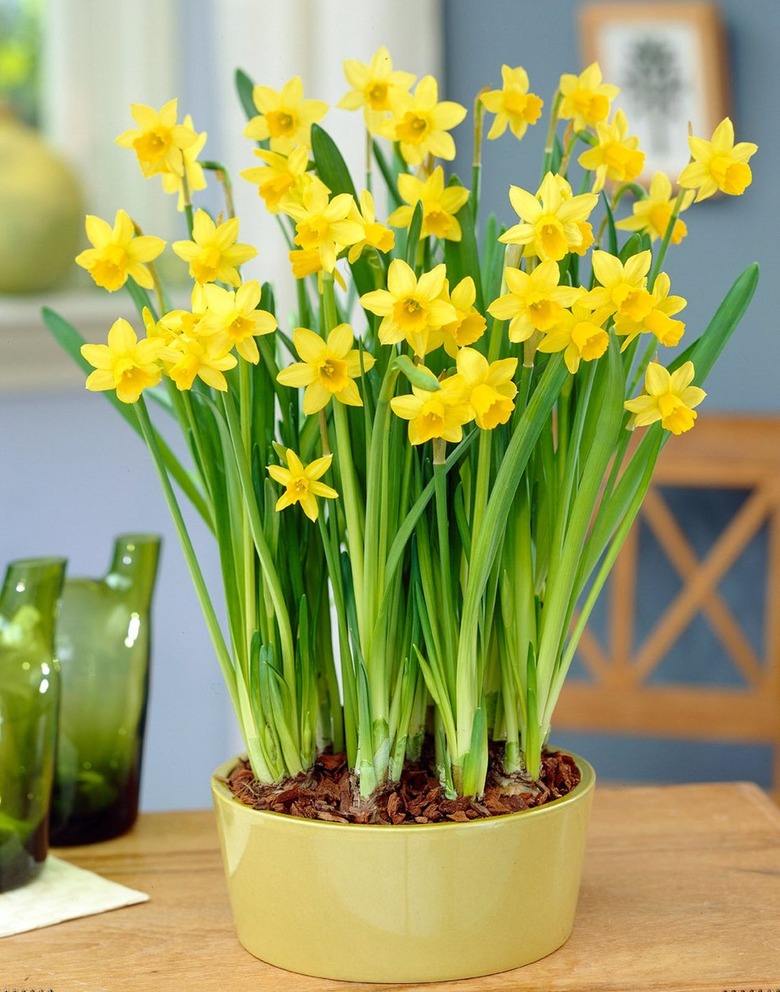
x=669, y=61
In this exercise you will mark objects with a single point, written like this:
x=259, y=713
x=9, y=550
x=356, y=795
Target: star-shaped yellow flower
x=328, y=368
x=668, y=397
x=421, y=124
x=301, y=483
x=658, y=320
x=535, y=301
x=718, y=164
x=551, y=220
x=285, y=117
x=440, y=203
x=214, y=251
x=373, y=86
x=513, y=105
x=439, y=413
x=652, y=214
x=616, y=155
x=117, y=252
x=282, y=176
x=158, y=141
x=323, y=222
x=585, y=99
x=411, y=308
x=623, y=288
x=578, y=334
x=124, y=363
x=375, y=235
x=234, y=319
x=490, y=387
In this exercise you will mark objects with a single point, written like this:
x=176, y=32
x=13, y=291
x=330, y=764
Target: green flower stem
x=201, y=590
x=482, y=483
x=330, y=547
x=250, y=603
x=377, y=486
x=223, y=178
x=270, y=574
x=667, y=239
x=549, y=144
x=351, y=495
x=448, y=611
x=519, y=450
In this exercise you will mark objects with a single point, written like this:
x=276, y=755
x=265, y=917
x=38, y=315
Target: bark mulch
x=328, y=792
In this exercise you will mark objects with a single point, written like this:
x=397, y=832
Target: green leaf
x=331, y=167
x=413, y=234
x=245, y=87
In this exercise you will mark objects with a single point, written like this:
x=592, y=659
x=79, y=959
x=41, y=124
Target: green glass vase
x=29, y=700
x=103, y=640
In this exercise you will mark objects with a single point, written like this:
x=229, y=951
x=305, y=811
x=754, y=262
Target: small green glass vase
x=103, y=640
x=29, y=699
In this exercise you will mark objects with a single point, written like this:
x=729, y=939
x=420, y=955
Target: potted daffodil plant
x=418, y=484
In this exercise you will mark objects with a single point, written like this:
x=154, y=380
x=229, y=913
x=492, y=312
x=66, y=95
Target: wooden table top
x=681, y=892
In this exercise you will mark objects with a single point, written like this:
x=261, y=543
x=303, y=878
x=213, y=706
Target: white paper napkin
x=61, y=892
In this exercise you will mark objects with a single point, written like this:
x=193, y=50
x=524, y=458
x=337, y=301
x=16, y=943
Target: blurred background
x=72, y=476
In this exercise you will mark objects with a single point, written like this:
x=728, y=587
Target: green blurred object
x=103, y=649
x=20, y=56
x=29, y=698
x=41, y=206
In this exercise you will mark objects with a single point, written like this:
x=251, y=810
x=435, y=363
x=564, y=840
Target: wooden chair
x=721, y=452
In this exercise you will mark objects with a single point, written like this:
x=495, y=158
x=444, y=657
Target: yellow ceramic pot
x=409, y=903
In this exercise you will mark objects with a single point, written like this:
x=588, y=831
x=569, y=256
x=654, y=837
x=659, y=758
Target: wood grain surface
x=681, y=893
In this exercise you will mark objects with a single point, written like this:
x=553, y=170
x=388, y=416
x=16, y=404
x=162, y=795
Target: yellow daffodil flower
x=623, y=289
x=470, y=324
x=158, y=141
x=174, y=182
x=324, y=223
x=578, y=335
x=651, y=215
x=124, y=363
x=301, y=483
x=616, y=156
x=373, y=86
x=177, y=322
x=440, y=203
x=328, y=368
x=490, y=386
x=535, y=301
x=658, y=320
x=718, y=164
x=375, y=235
x=214, y=251
x=203, y=357
x=437, y=413
x=282, y=176
x=118, y=252
x=411, y=309
x=421, y=125
x=233, y=318
x=550, y=221
x=668, y=397
x=513, y=105
x=585, y=99
x=284, y=116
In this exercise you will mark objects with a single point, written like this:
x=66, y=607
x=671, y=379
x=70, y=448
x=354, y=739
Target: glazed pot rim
x=583, y=788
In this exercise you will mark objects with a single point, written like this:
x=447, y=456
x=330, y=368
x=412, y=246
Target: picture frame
x=669, y=60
